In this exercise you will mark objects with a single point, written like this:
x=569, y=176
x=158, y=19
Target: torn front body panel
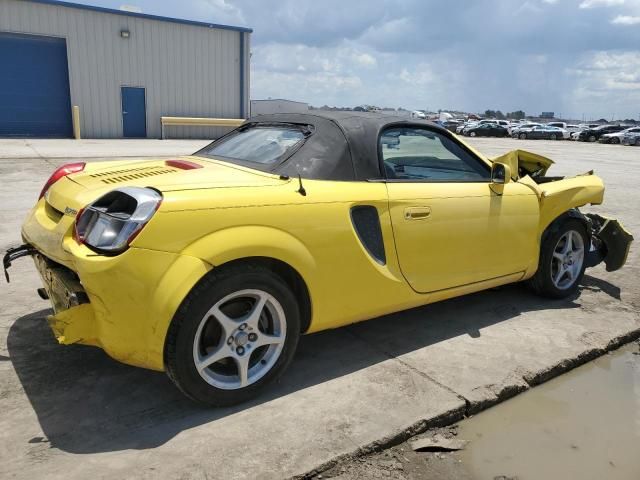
x=610, y=240
x=524, y=163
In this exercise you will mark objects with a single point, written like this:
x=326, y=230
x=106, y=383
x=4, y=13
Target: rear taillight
x=111, y=223
x=61, y=172
x=76, y=235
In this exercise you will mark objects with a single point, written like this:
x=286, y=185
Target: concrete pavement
x=72, y=412
x=66, y=148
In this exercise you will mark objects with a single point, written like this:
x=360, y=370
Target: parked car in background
x=572, y=128
x=461, y=127
x=579, y=128
x=487, y=130
x=594, y=134
x=558, y=124
x=524, y=128
x=631, y=138
x=451, y=125
x=542, y=132
x=616, y=137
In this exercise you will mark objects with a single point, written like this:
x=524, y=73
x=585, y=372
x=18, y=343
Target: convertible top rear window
x=259, y=144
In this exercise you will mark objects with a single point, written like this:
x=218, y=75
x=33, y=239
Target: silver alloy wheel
x=472, y=134
x=239, y=339
x=567, y=260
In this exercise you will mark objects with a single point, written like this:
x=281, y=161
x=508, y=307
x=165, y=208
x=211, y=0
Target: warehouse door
x=34, y=86
x=134, y=115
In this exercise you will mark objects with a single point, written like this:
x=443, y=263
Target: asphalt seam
x=407, y=365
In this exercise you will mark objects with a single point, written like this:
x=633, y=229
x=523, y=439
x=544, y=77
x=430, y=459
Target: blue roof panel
x=142, y=15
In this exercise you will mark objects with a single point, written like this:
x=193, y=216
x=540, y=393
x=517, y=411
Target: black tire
x=592, y=138
x=523, y=136
x=553, y=137
x=542, y=282
x=216, y=285
x=472, y=134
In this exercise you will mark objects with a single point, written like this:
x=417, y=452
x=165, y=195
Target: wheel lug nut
x=253, y=337
x=243, y=326
x=229, y=340
x=240, y=350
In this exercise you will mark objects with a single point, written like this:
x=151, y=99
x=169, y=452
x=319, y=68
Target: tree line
x=517, y=115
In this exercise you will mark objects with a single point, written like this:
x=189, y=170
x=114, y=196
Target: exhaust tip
x=42, y=293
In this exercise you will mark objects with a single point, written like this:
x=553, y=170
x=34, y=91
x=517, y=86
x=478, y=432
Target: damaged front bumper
x=72, y=320
x=610, y=242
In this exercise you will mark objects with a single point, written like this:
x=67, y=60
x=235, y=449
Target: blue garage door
x=34, y=87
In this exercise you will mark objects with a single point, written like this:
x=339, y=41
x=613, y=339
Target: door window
x=417, y=154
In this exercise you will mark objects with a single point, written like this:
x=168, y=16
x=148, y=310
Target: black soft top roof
x=343, y=145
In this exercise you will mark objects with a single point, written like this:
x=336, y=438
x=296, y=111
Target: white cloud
x=609, y=81
x=600, y=3
x=365, y=60
x=626, y=20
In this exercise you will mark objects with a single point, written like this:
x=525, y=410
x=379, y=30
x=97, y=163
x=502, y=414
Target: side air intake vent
x=366, y=223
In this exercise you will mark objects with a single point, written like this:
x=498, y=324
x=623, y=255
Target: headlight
x=111, y=223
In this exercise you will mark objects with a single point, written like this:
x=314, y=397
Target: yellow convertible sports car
x=211, y=266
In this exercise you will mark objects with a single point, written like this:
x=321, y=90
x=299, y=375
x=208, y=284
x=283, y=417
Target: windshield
x=266, y=145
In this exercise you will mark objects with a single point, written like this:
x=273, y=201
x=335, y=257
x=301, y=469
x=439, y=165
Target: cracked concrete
x=72, y=412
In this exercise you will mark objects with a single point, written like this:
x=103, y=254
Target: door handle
x=417, y=213
x=124, y=113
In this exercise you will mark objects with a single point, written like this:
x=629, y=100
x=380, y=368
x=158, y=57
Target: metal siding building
x=186, y=68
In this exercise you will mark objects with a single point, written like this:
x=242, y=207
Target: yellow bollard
x=75, y=114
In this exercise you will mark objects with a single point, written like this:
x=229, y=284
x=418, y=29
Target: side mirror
x=500, y=173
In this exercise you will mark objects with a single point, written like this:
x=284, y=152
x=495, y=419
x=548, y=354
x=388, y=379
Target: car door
x=450, y=227
x=535, y=132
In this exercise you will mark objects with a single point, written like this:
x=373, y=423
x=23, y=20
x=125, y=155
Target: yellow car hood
x=157, y=174
x=523, y=161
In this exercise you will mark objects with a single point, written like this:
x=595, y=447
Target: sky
x=577, y=58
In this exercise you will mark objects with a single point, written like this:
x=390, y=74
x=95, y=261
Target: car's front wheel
x=472, y=134
x=523, y=136
x=236, y=332
x=562, y=259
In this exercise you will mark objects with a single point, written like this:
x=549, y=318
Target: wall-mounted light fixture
x=125, y=33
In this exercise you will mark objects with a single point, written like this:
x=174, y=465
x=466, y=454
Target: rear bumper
x=122, y=304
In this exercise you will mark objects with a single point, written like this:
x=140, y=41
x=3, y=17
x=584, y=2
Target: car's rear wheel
x=553, y=136
x=592, y=138
x=472, y=134
x=562, y=259
x=615, y=140
x=236, y=332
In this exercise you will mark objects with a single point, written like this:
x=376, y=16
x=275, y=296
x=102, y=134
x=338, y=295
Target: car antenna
x=301, y=190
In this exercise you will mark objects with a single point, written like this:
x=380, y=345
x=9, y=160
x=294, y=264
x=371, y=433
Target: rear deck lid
x=166, y=177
